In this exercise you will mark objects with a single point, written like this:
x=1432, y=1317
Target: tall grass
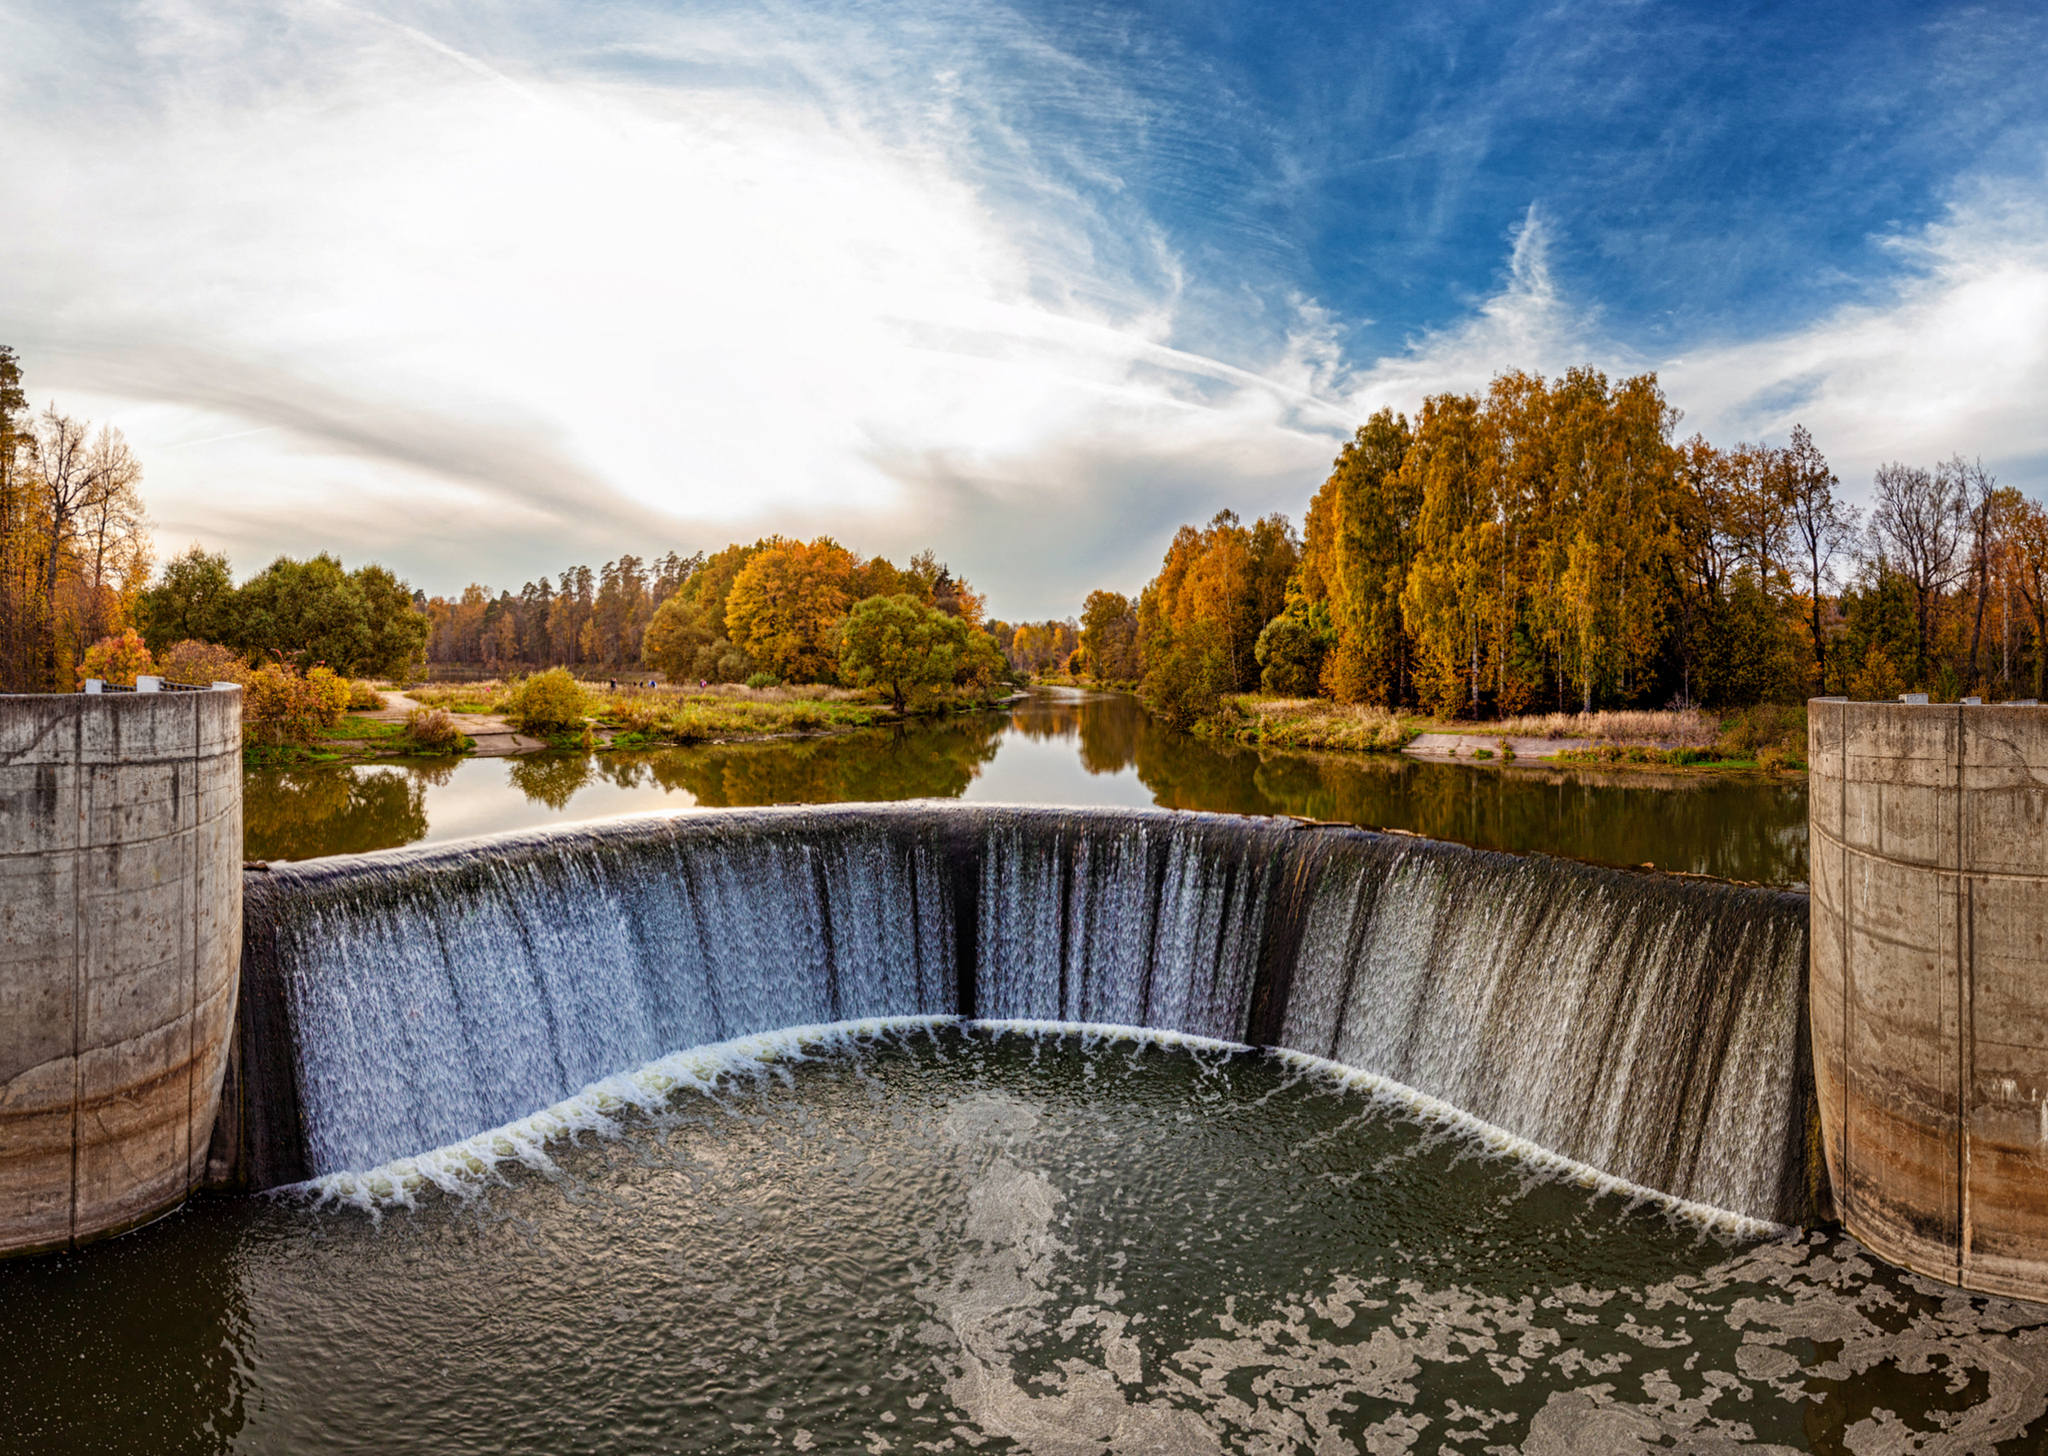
x=1312, y=723
x=1667, y=728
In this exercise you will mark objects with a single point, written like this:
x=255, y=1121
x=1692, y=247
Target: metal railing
x=152, y=685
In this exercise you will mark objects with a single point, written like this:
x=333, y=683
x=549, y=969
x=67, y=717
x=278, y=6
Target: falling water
x=1648, y=1026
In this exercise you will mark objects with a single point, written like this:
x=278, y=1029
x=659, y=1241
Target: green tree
x=193, y=600
x=305, y=612
x=1292, y=648
x=1188, y=669
x=398, y=630
x=898, y=643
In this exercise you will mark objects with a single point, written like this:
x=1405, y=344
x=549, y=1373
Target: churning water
x=1647, y=1026
x=953, y=1238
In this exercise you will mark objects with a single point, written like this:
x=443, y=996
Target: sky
x=483, y=292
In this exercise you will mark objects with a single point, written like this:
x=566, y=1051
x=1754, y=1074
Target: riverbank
x=618, y=717
x=1769, y=738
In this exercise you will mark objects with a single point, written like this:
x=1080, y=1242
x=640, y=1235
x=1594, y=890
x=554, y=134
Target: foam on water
x=469, y=1167
x=1648, y=1028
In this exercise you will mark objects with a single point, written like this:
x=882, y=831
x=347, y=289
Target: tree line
x=771, y=608
x=74, y=540
x=1551, y=545
x=78, y=598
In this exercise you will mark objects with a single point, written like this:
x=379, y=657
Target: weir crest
x=1650, y=1027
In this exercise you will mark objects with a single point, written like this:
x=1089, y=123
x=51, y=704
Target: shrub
x=548, y=702
x=117, y=660
x=279, y=706
x=363, y=698
x=201, y=664
x=330, y=692
x=764, y=680
x=433, y=730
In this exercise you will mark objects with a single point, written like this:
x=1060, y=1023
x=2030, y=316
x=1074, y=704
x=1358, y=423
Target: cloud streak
x=480, y=295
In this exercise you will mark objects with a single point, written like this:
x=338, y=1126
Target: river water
x=956, y=1237
x=948, y=1239
x=1059, y=747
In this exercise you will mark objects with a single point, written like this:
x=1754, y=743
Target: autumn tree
x=1358, y=543
x=783, y=605
x=1215, y=592
x=1457, y=538
x=1918, y=520
x=1603, y=591
x=2027, y=536
x=1822, y=529
x=1977, y=492
x=1109, y=637
x=688, y=635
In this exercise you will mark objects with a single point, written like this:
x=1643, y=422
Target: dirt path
x=495, y=738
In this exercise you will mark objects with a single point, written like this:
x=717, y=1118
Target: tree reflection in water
x=298, y=813
x=1747, y=827
x=918, y=761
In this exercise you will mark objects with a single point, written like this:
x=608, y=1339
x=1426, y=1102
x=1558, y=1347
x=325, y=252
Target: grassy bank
x=639, y=716
x=1310, y=723
x=355, y=739
x=1769, y=737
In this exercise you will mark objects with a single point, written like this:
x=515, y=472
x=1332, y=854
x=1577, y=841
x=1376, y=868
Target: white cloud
x=480, y=309
x=1527, y=324
x=1953, y=360
x=359, y=289
x=1956, y=361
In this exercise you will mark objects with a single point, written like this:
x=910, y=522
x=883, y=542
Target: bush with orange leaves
x=116, y=660
x=281, y=706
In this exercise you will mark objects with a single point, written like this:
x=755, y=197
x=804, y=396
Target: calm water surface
x=962, y=1239
x=1057, y=748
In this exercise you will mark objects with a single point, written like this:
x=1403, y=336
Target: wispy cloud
x=359, y=288
x=480, y=293
x=1952, y=358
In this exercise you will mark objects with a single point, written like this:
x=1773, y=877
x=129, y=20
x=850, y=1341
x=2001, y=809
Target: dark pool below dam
x=943, y=1237
x=1059, y=747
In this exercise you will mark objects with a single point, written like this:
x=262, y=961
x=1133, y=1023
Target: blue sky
x=482, y=293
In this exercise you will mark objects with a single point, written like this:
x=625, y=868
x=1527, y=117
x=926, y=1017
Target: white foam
x=467, y=1167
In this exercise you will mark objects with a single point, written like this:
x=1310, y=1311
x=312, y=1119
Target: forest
x=1543, y=545
x=768, y=609
x=1549, y=545
x=79, y=598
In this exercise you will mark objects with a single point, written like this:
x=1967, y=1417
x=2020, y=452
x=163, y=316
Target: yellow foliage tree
x=784, y=604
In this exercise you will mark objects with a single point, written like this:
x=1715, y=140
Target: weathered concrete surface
x=1929, y=841
x=120, y=937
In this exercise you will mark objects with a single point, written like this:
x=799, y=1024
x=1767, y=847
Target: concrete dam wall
x=1929, y=841
x=120, y=942
x=1653, y=1028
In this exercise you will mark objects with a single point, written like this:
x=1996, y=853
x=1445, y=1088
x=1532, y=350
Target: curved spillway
x=1651, y=1028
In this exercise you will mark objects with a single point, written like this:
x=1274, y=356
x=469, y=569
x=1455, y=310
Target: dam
x=1929, y=843
x=120, y=941
x=1649, y=1027
x=1086, y=1129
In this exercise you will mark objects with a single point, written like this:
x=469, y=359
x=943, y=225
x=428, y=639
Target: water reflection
x=300, y=813
x=1059, y=748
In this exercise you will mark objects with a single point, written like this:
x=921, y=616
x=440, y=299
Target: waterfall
x=1649, y=1026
